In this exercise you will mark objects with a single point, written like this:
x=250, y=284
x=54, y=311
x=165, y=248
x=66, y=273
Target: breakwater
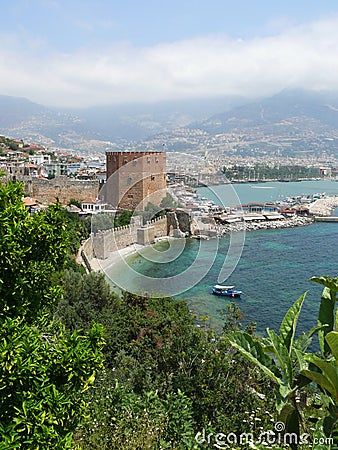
x=324, y=206
x=225, y=230
x=326, y=219
x=319, y=210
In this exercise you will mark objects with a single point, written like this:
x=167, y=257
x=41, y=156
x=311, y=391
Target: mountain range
x=291, y=115
x=277, y=110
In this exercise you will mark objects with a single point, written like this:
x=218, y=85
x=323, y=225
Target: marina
x=224, y=212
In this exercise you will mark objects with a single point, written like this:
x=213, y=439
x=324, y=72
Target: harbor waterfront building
x=135, y=178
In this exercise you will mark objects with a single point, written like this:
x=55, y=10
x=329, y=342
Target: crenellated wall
x=101, y=244
x=105, y=242
x=160, y=226
x=63, y=188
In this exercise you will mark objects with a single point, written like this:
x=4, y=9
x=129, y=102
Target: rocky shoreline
x=324, y=206
x=225, y=230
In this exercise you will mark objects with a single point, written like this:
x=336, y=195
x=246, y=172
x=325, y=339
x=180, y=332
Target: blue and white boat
x=226, y=291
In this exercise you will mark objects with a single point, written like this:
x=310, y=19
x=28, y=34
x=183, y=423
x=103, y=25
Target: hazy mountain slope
x=293, y=119
x=20, y=117
x=14, y=110
x=291, y=108
x=141, y=121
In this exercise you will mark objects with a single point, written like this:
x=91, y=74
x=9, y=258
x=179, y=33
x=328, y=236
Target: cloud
x=299, y=56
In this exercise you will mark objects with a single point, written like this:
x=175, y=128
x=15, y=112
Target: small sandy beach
x=101, y=265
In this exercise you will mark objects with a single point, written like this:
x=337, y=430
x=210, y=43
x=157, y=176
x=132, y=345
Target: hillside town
x=77, y=181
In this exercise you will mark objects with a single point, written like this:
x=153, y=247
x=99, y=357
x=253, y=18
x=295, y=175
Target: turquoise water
x=231, y=194
x=273, y=271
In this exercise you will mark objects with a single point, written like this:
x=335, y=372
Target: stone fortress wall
x=63, y=188
x=101, y=244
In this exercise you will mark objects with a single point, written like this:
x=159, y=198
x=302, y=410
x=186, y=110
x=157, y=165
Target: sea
x=273, y=270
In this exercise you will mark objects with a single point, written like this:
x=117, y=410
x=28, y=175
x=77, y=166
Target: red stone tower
x=135, y=179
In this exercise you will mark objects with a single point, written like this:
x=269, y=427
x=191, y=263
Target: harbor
x=218, y=216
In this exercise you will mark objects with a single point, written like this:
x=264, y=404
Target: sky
x=81, y=53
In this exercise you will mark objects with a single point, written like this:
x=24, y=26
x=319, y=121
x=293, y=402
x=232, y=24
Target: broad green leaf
x=283, y=405
x=283, y=356
x=327, y=281
x=329, y=370
x=326, y=317
x=288, y=327
x=302, y=363
x=254, y=351
x=267, y=346
x=332, y=340
x=303, y=341
x=301, y=380
x=320, y=379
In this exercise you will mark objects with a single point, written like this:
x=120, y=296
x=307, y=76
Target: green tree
x=123, y=218
x=154, y=345
x=44, y=372
x=91, y=301
x=151, y=211
x=33, y=247
x=74, y=202
x=13, y=145
x=168, y=202
x=100, y=222
x=76, y=229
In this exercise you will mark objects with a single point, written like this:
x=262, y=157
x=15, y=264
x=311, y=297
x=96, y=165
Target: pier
x=326, y=219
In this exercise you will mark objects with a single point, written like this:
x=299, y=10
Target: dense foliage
x=32, y=248
x=8, y=143
x=172, y=377
x=285, y=360
x=168, y=383
x=44, y=372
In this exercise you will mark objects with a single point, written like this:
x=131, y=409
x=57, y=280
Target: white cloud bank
x=305, y=57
